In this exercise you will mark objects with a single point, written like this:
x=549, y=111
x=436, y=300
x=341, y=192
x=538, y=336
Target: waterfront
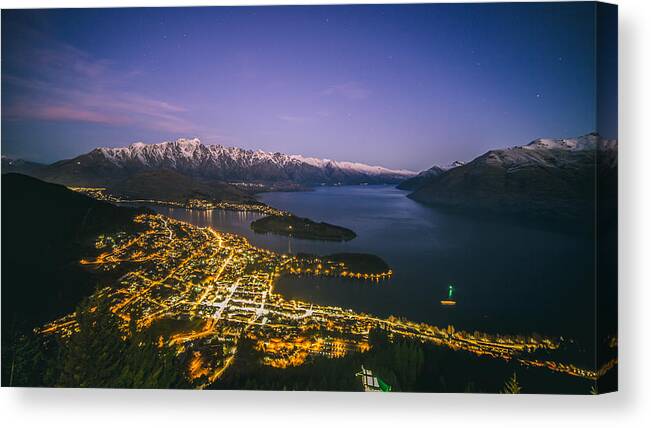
x=199, y=289
x=509, y=278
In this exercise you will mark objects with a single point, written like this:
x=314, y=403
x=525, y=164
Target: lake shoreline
x=508, y=277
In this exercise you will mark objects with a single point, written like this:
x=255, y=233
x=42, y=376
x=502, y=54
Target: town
x=103, y=194
x=209, y=289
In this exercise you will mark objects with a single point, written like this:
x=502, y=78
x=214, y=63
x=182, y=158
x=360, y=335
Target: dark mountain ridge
x=46, y=230
x=168, y=185
x=424, y=177
x=20, y=166
x=546, y=179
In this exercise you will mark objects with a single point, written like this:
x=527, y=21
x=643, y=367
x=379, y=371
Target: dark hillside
x=46, y=230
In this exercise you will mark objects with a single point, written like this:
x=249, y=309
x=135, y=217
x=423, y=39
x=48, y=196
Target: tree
x=28, y=361
x=511, y=386
x=99, y=355
x=145, y=365
x=92, y=357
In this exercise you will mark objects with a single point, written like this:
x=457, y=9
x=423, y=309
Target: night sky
x=403, y=86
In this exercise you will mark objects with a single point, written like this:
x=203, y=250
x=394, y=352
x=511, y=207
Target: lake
x=509, y=278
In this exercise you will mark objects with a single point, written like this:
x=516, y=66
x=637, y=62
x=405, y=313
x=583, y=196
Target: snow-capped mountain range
x=424, y=176
x=545, y=178
x=231, y=164
x=192, y=153
x=590, y=141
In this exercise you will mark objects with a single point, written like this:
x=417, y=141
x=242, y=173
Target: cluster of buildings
x=103, y=194
x=204, y=291
x=320, y=267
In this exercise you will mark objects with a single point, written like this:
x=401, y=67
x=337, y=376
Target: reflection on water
x=508, y=278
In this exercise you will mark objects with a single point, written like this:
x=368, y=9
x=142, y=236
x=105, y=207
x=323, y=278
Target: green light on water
x=450, y=291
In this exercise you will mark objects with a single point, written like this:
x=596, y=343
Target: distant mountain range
x=19, y=165
x=424, y=177
x=189, y=157
x=546, y=178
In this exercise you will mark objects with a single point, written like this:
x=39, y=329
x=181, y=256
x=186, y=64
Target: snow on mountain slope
x=590, y=141
x=351, y=166
x=192, y=158
x=547, y=178
x=193, y=151
x=454, y=164
x=424, y=177
x=549, y=153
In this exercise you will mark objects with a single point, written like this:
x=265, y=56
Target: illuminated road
x=218, y=288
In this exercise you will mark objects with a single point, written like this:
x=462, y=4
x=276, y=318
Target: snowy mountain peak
x=585, y=142
x=353, y=166
x=190, y=156
x=454, y=164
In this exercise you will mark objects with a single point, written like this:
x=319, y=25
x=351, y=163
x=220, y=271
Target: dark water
x=509, y=278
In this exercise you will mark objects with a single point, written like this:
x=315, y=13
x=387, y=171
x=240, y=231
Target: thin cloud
x=294, y=119
x=61, y=112
x=60, y=82
x=349, y=90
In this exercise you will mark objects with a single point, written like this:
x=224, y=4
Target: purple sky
x=401, y=86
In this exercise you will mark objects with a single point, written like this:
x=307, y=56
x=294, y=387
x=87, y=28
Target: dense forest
x=46, y=230
x=99, y=355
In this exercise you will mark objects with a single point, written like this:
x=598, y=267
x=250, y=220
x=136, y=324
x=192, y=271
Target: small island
x=299, y=227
